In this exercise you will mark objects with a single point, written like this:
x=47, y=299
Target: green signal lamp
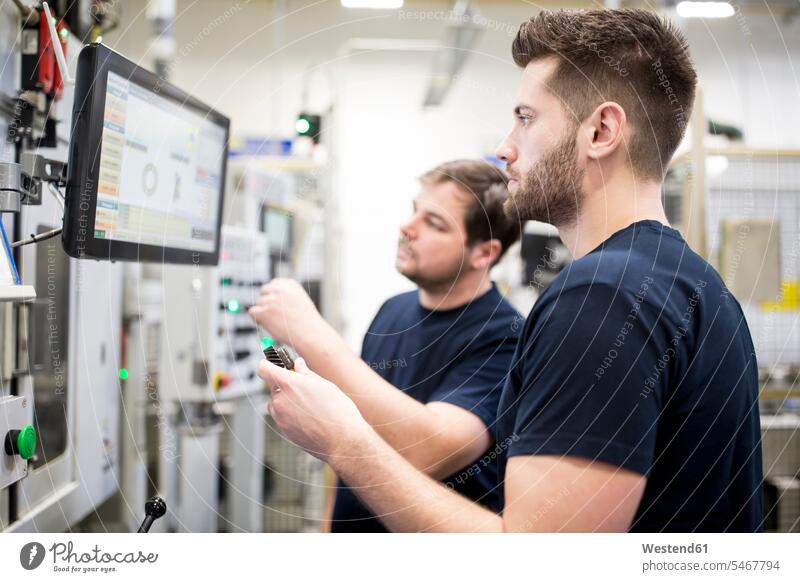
x=309, y=125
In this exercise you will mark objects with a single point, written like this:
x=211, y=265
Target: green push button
x=26, y=442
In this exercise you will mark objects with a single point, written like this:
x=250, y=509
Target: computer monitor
x=277, y=224
x=146, y=167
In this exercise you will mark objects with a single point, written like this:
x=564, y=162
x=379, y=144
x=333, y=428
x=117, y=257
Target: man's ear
x=604, y=130
x=483, y=255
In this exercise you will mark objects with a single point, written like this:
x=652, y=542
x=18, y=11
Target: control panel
x=244, y=267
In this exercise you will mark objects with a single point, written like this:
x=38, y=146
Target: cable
x=57, y=194
x=34, y=238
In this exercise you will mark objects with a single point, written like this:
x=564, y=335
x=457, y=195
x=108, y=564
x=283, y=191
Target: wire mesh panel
x=753, y=209
x=759, y=187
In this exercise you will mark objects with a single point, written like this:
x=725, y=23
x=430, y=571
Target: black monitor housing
x=146, y=167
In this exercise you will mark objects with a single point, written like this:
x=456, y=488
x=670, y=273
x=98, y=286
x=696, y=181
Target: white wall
x=749, y=68
x=235, y=57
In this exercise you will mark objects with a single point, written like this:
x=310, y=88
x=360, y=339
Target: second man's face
x=431, y=250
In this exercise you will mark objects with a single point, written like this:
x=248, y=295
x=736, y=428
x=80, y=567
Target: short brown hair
x=629, y=56
x=487, y=185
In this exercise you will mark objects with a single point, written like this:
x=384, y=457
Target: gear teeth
x=279, y=357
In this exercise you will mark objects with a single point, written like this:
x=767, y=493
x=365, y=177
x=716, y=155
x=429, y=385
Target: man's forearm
x=379, y=402
x=402, y=421
x=405, y=499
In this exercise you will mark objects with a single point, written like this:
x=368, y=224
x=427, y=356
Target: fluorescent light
x=381, y=4
x=716, y=166
x=705, y=9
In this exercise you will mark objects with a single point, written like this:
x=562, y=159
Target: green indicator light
x=233, y=306
x=123, y=373
x=266, y=342
x=303, y=126
x=64, y=32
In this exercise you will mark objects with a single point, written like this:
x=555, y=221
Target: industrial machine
x=214, y=365
x=126, y=189
x=285, y=198
x=50, y=343
x=128, y=357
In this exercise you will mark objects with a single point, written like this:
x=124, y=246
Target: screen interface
x=161, y=168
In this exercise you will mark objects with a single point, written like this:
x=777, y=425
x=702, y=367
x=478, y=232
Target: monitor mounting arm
x=22, y=183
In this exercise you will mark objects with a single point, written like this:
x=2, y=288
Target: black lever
x=154, y=508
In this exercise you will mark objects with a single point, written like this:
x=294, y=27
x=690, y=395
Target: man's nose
x=506, y=151
x=408, y=229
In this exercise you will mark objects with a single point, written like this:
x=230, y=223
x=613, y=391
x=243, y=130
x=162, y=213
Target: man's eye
x=435, y=224
x=524, y=120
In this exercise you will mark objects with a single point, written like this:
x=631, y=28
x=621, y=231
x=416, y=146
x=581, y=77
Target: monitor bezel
x=94, y=63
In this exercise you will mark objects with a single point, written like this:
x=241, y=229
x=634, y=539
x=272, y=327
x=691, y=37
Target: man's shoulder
x=501, y=309
x=604, y=285
x=492, y=318
x=610, y=269
x=623, y=263
x=402, y=300
x=400, y=304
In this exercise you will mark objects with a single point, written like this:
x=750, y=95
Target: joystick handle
x=154, y=508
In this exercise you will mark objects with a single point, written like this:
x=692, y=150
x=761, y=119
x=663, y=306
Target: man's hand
x=312, y=412
x=287, y=312
x=543, y=492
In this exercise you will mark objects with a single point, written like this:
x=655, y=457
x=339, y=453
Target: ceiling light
x=689, y=9
x=379, y=4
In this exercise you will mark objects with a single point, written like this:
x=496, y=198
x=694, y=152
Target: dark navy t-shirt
x=460, y=356
x=638, y=356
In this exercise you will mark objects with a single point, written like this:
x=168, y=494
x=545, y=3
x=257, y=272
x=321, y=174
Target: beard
x=440, y=280
x=551, y=190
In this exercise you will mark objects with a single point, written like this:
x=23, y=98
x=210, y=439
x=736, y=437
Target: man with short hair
x=447, y=346
x=632, y=401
